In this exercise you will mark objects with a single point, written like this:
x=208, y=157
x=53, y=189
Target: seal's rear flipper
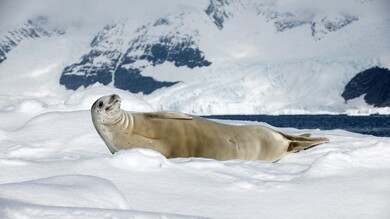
x=296, y=146
x=302, y=142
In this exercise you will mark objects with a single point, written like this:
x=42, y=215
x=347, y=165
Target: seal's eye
x=100, y=104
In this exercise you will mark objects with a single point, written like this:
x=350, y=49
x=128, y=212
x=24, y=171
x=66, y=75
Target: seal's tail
x=304, y=141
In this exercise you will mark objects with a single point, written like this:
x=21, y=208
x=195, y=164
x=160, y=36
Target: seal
x=176, y=134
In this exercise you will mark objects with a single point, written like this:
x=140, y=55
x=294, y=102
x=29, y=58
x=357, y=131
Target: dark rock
x=162, y=21
x=181, y=54
x=327, y=25
x=217, y=13
x=334, y=25
x=74, y=81
x=284, y=25
x=374, y=83
x=131, y=80
x=85, y=73
x=101, y=36
x=2, y=56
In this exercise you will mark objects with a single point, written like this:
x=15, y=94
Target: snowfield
x=53, y=164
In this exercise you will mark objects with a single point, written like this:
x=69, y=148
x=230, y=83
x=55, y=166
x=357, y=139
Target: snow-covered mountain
x=38, y=27
x=205, y=56
x=120, y=56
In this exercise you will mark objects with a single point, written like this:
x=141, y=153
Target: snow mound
x=53, y=135
x=138, y=159
x=86, y=97
x=66, y=191
x=335, y=163
x=30, y=106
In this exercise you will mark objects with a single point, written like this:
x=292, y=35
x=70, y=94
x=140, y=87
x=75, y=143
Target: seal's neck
x=122, y=119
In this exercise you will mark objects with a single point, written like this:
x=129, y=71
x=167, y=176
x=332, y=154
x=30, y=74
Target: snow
x=56, y=166
x=53, y=163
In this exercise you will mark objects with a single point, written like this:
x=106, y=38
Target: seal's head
x=106, y=108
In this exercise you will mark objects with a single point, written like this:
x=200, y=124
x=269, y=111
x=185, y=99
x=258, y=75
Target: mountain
x=38, y=27
x=212, y=56
x=107, y=61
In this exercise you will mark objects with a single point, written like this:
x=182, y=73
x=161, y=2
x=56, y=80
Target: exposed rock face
x=220, y=11
x=217, y=12
x=374, y=83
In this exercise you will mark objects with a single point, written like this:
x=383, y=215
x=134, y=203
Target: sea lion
x=175, y=134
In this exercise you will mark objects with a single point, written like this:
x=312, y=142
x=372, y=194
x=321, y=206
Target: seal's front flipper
x=305, y=135
x=168, y=115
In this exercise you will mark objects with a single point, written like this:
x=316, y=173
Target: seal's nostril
x=100, y=104
x=112, y=98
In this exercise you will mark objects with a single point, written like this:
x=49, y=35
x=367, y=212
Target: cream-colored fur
x=176, y=134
